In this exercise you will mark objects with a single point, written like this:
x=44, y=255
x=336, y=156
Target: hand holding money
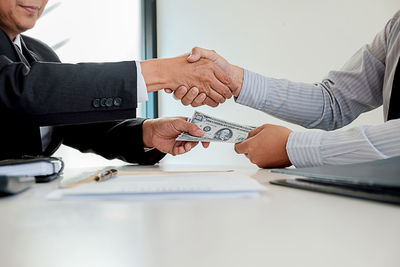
x=216, y=130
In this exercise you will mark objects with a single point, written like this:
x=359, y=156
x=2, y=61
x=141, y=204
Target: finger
x=198, y=53
x=189, y=145
x=167, y=90
x=190, y=96
x=214, y=95
x=184, y=126
x=199, y=100
x=181, y=150
x=242, y=147
x=205, y=144
x=210, y=102
x=221, y=88
x=178, y=149
x=180, y=92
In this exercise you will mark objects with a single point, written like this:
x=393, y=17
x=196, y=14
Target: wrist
x=154, y=74
x=147, y=133
x=238, y=74
x=163, y=73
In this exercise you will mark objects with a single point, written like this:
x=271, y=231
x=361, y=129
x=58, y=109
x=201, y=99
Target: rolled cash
x=216, y=130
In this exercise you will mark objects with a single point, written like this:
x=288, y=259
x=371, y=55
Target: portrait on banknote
x=223, y=134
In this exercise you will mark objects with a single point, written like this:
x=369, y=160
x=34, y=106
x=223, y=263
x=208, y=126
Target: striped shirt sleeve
x=330, y=104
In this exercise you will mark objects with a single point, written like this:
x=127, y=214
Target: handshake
x=200, y=78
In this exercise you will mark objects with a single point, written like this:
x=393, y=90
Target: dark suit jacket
x=86, y=103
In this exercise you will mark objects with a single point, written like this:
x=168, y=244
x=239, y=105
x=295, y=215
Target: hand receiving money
x=216, y=130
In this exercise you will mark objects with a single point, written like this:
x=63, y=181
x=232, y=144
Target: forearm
x=322, y=105
x=154, y=74
x=360, y=144
x=122, y=140
x=54, y=93
x=164, y=73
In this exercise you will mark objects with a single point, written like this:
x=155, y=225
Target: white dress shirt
x=46, y=132
x=363, y=84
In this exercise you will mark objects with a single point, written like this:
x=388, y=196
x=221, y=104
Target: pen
x=105, y=175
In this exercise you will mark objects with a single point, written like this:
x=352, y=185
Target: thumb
x=198, y=53
x=188, y=127
x=241, y=148
x=194, y=56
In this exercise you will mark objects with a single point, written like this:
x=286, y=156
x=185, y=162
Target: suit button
x=103, y=102
x=96, y=103
x=117, y=101
x=109, y=102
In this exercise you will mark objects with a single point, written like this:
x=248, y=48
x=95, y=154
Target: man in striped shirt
x=369, y=79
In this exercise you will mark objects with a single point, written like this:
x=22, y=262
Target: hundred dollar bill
x=216, y=130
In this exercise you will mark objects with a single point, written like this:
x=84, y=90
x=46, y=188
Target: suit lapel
x=29, y=55
x=7, y=47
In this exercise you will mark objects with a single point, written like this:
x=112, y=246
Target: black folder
x=376, y=180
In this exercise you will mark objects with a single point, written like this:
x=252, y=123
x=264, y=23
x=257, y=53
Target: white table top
x=285, y=227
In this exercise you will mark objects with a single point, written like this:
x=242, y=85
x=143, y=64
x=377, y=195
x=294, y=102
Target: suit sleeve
x=58, y=94
x=122, y=140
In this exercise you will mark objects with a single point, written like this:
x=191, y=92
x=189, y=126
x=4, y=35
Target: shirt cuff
x=304, y=148
x=141, y=84
x=254, y=90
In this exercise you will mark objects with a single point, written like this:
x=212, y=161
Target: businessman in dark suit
x=89, y=106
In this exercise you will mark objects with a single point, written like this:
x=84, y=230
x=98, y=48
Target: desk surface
x=286, y=227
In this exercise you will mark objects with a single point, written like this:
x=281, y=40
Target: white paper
x=187, y=185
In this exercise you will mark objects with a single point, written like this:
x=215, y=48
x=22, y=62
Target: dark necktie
x=21, y=56
x=394, y=106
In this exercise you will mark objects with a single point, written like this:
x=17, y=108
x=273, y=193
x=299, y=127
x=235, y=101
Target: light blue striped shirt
x=363, y=84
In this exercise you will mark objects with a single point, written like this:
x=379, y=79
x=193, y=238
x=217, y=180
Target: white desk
x=286, y=227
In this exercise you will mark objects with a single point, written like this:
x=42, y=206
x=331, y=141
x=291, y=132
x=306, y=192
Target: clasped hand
x=205, y=76
x=193, y=95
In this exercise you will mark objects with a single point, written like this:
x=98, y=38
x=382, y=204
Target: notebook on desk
x=44, y=169
x=377, y=180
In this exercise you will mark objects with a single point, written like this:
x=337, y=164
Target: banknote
x=216, y=130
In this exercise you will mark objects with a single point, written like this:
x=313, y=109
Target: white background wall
x=98, y=31
x=298, y=40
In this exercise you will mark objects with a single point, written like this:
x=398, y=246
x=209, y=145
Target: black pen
x=106, y=175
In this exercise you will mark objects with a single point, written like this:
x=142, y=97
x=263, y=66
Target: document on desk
x=166, y=186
